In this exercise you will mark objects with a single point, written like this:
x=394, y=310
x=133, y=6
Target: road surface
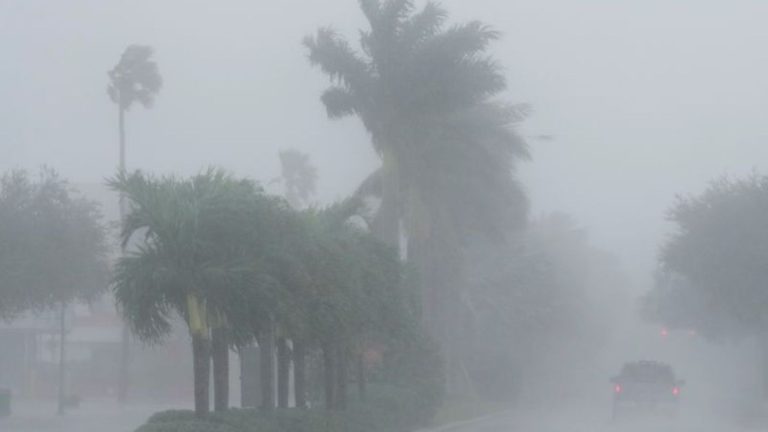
x=108, y=416
x=102, y=416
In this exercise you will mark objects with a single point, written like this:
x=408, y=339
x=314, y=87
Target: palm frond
x=459, y=42
x=339, y=102
x=423, y=25
x=145, y=291
x=336, y=58
x=135, y=78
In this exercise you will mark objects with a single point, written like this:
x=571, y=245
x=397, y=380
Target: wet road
x=598, y=420
x=104, y=416
x=110, y=417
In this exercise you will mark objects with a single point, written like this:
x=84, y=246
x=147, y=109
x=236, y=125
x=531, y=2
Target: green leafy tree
x=54, y=244
x=54, y=249
x=716, y=253
x=713, y=273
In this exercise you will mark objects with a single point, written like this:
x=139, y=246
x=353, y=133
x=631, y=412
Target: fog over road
x=580, y=419
x=583, y=416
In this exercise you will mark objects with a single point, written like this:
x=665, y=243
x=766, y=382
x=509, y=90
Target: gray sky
x=646, y=98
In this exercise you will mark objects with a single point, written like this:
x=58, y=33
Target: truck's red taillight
x=617, y=388
x=676, y=391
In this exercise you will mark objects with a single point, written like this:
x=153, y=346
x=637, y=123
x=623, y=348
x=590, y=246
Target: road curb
x=460, y=424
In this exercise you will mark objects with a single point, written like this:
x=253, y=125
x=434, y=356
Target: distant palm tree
x=135, y=78
x=299, y=177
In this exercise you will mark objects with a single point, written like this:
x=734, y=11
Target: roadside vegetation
x=430, y=283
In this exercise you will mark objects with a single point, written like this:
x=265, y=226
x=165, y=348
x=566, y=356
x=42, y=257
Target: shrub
x=171, y=416
x=187, y=426
x=387, y=408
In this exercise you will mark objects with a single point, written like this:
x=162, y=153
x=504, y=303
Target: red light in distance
x=676, y=391
x=617, y=388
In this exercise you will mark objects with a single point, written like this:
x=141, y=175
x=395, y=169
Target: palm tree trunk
x=283, y=372
x=329, y=380
x=249, y=377
x=220, y=347
x=201, y=360
x=361, y=376
x=62, y=358
x=267, y=365
x=121, y=129
x=125, y=343
x=386, y=226
x=300, y=374
x=341, y=377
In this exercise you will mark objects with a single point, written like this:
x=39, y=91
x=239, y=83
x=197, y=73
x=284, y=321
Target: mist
x=632, y=105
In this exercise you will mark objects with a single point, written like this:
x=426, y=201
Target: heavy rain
x=383, y=216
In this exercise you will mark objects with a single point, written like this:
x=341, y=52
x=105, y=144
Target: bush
x=171, y=416
x=187, y=426
x=415, y=369
x=387, y=408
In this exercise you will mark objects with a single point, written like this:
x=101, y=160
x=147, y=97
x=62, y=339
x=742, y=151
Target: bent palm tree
x=197, y=260
x=135, y=78
x=424, y=91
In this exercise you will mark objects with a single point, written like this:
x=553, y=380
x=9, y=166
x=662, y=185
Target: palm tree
x=299, y=177
x=135, y=78
x=425, y=93
x=197, y=259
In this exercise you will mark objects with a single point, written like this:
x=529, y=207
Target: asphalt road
x=108, y=416
x=102, y=416
x=580, y=418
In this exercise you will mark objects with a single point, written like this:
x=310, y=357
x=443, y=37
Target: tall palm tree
x=425, y=93
x=197, y=258
x=134, y=79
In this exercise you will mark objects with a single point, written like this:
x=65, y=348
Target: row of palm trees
x=428, y=95
x=239, y=265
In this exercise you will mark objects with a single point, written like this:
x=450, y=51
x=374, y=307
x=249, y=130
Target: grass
x=457, y=410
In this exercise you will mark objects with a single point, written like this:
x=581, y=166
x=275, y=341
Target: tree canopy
x=135, y=78
x=54, y=244
x=713, y=269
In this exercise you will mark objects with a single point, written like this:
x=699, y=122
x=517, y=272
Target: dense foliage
x=237, y=265
x=713, y=267
x=54, y=245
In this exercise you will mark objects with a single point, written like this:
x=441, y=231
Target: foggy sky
x=646, y=99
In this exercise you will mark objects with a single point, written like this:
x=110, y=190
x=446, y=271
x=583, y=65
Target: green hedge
x=386, y=409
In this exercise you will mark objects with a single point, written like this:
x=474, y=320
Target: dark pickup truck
x=646, y=388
